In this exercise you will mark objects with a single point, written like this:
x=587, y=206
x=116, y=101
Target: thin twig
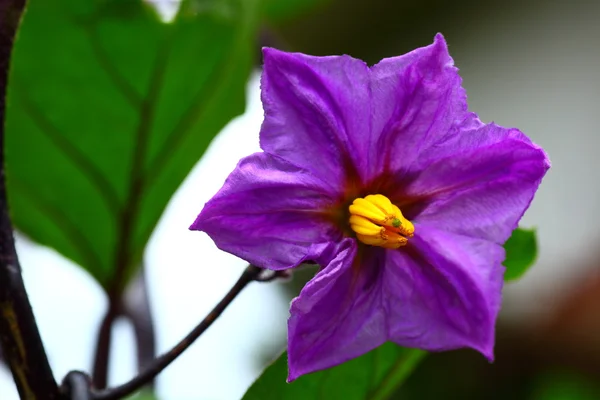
x=250, y=274
x=19, y=334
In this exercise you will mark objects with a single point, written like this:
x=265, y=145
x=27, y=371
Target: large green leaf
x=374, y=376
x=521, y=252
x=108, y=110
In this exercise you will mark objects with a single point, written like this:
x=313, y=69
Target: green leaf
x=108, y=110
x=521, y=252
x=279, y=10
x=374, y=376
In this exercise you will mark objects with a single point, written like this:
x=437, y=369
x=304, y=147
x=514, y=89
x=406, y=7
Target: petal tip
x=269, y=51
x=197, y=224
x=439, y=38
x=440, y=48
x=547, y=162
x=488, y=354
x=292, y=376
x=487, y=349
x=273, y=58
x=293, y=371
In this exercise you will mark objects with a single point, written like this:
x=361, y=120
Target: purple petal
x=417, y=101
x=336, y=317
x=268, y=213
x=444, y=293
x=441, y=293
x=317, y=110
x=479, y=183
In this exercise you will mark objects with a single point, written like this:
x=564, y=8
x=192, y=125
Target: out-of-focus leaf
x=521, y=252
x=108, y=110
x=565, y=386
x=374, y=376
x=277, y=10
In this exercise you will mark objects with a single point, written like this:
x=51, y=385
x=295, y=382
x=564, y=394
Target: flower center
x=378, y=222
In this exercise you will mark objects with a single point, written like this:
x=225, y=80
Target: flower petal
x=445, y=293
x=267, y=213
x=336, y=317
x=417, y=101
x=478, y=184
x=316, y=109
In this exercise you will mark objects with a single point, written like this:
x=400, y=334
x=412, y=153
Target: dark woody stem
x=251, y=273
x=19, y=336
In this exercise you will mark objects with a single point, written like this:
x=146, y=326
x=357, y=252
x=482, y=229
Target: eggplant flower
x=382, y=177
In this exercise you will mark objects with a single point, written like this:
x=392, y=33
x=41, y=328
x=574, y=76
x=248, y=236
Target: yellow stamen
x=378, y=222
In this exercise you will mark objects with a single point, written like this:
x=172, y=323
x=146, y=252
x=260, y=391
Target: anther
x=378, y=222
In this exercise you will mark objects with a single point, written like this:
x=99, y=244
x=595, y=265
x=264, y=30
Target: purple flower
x=382, y=177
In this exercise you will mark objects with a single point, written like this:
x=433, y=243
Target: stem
x=136, y=307
x=102, y=357
x=19, y=336
x=250, y=274
x=76, y=386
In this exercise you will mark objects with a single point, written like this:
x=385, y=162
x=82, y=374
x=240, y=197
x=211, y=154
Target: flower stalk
x=250, y=274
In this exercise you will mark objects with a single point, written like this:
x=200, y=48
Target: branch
x=136, y=307
x=103, y=342
x=250, y=274
x=19, y=335
x=76, y=386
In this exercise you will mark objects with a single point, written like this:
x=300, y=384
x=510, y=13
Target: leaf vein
x=128, y=91
x=132, y=204
x=197, y=107
x=105, y=189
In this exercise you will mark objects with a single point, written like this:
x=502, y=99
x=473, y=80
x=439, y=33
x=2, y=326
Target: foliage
x=521, y=252
x=109, y=109
x=373, y=376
